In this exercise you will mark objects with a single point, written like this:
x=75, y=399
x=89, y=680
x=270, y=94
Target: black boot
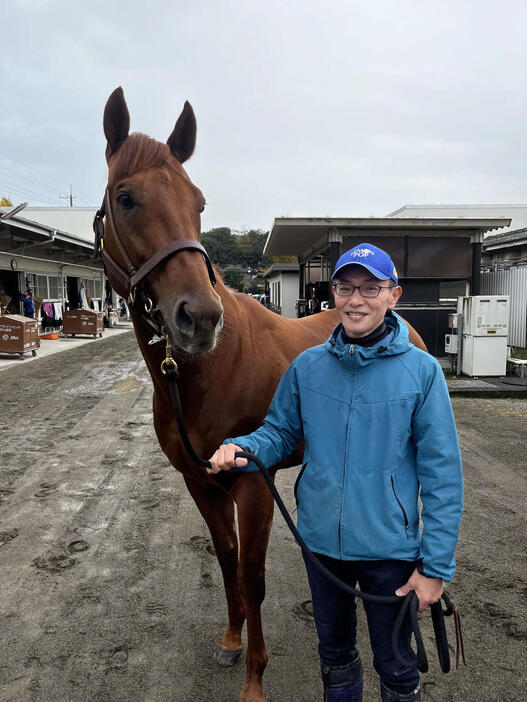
x=388, y=695
x=343, y=683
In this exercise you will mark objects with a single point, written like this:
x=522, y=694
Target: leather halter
x=127, y=282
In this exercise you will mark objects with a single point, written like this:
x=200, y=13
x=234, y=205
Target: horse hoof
x=226, y=657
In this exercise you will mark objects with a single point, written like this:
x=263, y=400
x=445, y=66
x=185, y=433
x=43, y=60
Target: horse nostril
x=184, y=321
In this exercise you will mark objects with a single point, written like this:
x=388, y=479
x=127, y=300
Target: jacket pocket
x=401, y=507
x=298, y=480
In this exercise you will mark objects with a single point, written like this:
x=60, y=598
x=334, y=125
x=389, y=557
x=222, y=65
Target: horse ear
x=183, y=139
x=116, y=121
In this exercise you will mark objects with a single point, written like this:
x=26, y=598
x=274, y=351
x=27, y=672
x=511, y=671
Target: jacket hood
x=396, y=342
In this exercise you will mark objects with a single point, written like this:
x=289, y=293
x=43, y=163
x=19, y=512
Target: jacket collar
x=394, y=343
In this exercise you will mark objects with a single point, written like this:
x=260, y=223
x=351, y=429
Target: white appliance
x=451, y=343
x=484, y=340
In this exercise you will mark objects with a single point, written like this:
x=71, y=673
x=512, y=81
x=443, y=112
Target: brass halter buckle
x=168, y=361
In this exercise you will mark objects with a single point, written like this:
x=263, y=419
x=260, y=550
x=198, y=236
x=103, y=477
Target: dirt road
x=109, y=587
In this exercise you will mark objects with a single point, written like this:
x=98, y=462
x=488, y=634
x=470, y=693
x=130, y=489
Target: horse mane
x=138, y=153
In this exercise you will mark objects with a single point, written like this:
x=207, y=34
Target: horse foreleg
x=255, y=516
x=217, y=508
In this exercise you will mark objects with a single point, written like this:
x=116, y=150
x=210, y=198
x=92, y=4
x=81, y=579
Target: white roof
x=74, y=220
x=517, y=213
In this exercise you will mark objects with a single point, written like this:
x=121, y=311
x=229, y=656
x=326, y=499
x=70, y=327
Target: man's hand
x=223, y=459
x=428, y=590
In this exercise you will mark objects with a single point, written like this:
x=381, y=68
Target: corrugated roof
x=509, y=238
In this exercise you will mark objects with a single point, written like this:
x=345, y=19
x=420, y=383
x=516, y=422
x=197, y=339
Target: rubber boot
x=343, y=683
x=388, y=695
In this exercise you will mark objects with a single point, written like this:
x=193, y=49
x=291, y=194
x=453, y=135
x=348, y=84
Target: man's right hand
x=223, y=459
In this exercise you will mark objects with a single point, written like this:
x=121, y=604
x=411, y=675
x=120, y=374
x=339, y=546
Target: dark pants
x=336, y=617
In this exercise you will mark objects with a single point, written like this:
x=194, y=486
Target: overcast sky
x=304, y=108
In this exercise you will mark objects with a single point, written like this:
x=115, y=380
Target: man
x=379, y=431
x=29, y=305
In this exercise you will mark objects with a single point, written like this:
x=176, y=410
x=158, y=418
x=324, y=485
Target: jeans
x=336, y=617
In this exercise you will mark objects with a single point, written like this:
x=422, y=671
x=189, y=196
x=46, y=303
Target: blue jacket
x=379, y=432
x=29, y=306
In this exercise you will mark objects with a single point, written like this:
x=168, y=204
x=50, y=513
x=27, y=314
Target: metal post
x=459, y=342
x=333, y=257
x=476, y=268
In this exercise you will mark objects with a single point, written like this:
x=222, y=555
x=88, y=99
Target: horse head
x=152, y=203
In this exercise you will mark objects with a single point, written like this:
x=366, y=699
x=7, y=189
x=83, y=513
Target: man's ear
x=396, y=293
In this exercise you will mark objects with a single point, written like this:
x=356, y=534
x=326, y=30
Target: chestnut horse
x=231, y=353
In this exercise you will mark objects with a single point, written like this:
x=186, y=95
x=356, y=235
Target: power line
x=17, y=191
x=55, y=183
x=26, y=181
x=69, y=197
x=30, y=188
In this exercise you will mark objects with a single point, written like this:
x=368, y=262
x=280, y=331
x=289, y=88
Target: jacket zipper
x=352, y=349
x=406, y=523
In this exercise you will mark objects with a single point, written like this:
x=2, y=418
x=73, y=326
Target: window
x=41, y=287
x=54, y=287
x=93, y=288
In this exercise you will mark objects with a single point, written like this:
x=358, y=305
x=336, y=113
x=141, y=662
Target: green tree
x=5, y=202
x=221, y=246
x=234, y=278
x=251, y=245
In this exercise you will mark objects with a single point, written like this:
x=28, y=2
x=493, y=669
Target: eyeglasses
x=367, y=290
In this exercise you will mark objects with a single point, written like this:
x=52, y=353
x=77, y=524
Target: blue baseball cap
x=370, y=257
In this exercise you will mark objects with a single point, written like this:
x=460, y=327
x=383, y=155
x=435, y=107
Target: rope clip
x=168, y=361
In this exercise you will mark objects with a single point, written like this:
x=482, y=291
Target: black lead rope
x=409, y=603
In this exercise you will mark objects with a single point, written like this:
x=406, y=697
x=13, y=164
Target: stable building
x=437, y=259
x=56, y=265
x=281, y=285
x=504, y=272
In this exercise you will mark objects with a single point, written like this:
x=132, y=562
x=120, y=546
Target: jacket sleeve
x=438, y=462
x=282, y=428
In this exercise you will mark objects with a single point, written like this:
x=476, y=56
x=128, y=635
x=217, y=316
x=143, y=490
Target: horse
x=231, y=352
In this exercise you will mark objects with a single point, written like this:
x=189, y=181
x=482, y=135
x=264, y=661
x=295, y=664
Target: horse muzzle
x=193, y=323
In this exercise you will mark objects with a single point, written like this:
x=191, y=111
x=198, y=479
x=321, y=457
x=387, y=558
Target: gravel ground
x=110, y=588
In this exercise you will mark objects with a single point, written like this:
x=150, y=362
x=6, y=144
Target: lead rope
x=410, y=602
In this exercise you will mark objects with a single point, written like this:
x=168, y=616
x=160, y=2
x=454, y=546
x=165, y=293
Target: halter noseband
x=128, y=281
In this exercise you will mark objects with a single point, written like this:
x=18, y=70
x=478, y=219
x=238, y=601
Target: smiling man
x=365, y=287
x=379, y=432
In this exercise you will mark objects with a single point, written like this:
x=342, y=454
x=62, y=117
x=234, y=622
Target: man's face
x=360, y=315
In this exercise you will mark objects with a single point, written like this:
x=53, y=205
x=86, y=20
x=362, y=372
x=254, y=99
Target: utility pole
x=69, y=197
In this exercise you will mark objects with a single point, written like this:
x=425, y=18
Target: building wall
x=289, y=294
x=512, y=254
x=285, y=287
x=43, y=267
x=48, y=279
x=513, y=282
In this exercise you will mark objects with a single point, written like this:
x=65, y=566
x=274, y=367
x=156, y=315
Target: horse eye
x=203, y=207
x=125, y=200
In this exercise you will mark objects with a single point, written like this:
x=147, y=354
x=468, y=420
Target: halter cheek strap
x=125, y=283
